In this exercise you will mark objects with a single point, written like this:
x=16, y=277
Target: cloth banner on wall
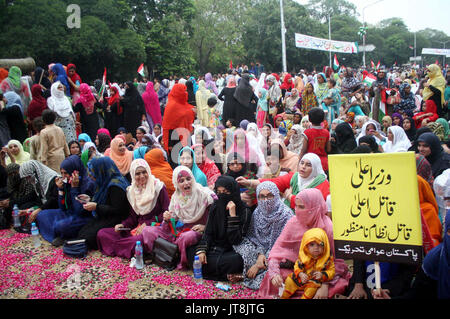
x=431, y=51
x=308, y=42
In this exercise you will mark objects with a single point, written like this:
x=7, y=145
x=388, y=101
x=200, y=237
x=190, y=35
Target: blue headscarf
x=192, y=79
x=437, y=263
x=73, y=163
x=106, y=174
x=140, y=152
x=199, y=176
x=13, y=100
x=84, y=137
x=61, y=76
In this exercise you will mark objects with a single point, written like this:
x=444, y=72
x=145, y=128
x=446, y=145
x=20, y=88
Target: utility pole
x=329, y=34
x=283, y=38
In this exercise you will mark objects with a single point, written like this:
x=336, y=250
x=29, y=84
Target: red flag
x=378, y=65
x=231, y=64
x=437, y=62
x=372, y=64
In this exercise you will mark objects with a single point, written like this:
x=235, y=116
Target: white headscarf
x=261, y=82
x=189, y=208
x=43, y=175
x=363, y=131
x=400, y=143
x=143, y=200
x=316, y=170
x=58, y=101
x=296, y=140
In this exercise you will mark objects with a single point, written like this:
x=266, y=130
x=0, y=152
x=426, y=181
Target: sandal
x=234, y=278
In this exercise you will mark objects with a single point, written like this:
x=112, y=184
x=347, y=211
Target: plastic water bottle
x=139, y=256
x=16, y=216
x=198, y=278
x=35, y=235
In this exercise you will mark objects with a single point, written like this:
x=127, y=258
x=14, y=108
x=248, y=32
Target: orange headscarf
x=3, y=74
x=123, y=162
x=160, y=168
x=314, y=235
x=430, y=209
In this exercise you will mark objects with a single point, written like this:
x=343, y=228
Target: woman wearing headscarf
x=446, y=126
x=16, y=154
x=267, y=223
x=228, y=223
x=309, y=174
x=429, y=115
x=37, y=105
x=372, y=128
x=332, y=101
x=290, y=101
x=55, y=225
x=13, y=113
x=287, y=85
x=308, y=99
x=409, y=127
x=438, y=130
x=430, y=210
x=113, y=110
x=74, y=80
x=109, y=205
x=249, y=151
x=424, y=169
x=408, y=99
x=189, y=207
x=201, y=100
x=397, y=140
x=210, y=84
x=310, y=212
x=21, y=191
x=296, y=139
x=60, y=104
x=345, y=141
x=15, y=83
x=179, y=116
x=191, y=91
x=262, y=108
x=434, y=89
x=161, y=169
x=437, y=262
x=430, y=147
x=206, y=165
x=163, y=94
x=43, y=179
x=148, y=199
x=288, y=160
x=187, y=158
x=121, y=156
x=152, y=107
x=321, y=87
x=87, y=106
x=133, y=108
x=230, y=104
x=274, y=95
x=61, y=76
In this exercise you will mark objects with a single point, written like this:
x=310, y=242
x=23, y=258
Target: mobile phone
x=83, y=199
x=123, y=229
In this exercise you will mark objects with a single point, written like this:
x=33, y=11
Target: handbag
x=76, y=248
x=165, y=254
x=394, y=99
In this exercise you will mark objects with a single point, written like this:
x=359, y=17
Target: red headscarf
x=178, y=113
x=115, y=97
x=38, y=104
x=286, y=85
x=87, y=98
x=3, y=74
x=75, y=77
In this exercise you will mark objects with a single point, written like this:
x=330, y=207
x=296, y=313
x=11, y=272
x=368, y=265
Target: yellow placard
x=375, y=206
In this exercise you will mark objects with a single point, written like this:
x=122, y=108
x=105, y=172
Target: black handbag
x=165, y=254
x=76, y=248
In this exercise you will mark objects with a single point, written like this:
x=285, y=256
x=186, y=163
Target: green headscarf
x=85, y=157
x=15, y=73
x=445, y=125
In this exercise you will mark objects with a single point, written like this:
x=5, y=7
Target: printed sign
x=307, y=42
x=376, y=209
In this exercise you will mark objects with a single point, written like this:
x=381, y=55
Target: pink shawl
x=86, y=98
x=248, y=153
x=151, y=102
x=288, y=244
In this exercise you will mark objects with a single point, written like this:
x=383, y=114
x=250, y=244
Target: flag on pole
x=369, y=78
x=411, y=47
x=372, y=64
x=141, y=70
x=231, y=64
x=102, y=89
x=335, y=63
x=378, y=65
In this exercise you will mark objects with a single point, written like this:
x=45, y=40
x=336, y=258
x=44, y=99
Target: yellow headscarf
x=437, y=80
x=317, y=235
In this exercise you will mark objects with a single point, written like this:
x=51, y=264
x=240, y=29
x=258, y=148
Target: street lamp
x=364, y=35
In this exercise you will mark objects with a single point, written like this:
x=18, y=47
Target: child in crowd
x=313, y=267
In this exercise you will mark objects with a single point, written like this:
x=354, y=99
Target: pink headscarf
x=314, y=215
x=248, y=153
x=151, y=102
x=86, y=98
x=104, y=131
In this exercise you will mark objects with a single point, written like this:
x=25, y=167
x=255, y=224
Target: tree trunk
x=27, y=65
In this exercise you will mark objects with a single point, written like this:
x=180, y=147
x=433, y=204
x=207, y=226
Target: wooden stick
x=42, y=74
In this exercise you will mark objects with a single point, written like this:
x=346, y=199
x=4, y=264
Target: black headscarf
x=438, y=159
x=370, y=140
x=345, y=138
x=191, y=95
x=411, y=133
x=235, y=156
x=244, y=91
